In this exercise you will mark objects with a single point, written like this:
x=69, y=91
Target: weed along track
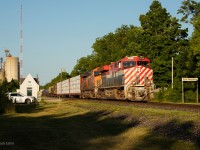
x=156, y=105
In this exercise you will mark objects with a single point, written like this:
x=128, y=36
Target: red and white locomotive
x=130, y=78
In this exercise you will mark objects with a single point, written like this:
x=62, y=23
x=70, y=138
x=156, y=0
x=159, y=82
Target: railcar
x=69, y=87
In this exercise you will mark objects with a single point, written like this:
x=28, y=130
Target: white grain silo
x=11, y=68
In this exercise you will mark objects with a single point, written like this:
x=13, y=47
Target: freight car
x=130, y=78
x=69, y=87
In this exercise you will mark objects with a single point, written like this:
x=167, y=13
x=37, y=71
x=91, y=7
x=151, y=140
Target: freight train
x=130, y=78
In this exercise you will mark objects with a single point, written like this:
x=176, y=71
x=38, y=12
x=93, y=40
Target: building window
x=29, y=83
x=29, y=91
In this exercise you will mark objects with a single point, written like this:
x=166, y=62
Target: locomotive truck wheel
x=99, y=95
x=119, y=94
x=92, y=95
x=122, y=96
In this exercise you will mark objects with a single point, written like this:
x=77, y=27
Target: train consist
x=130, y=78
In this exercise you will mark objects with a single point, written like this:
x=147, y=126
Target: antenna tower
x=21, y=47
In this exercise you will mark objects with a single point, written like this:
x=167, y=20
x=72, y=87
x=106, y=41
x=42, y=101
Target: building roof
x=22, y=80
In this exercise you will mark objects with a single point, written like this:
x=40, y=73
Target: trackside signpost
x=191, y=80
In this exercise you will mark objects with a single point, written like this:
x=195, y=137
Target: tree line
x=159, y=38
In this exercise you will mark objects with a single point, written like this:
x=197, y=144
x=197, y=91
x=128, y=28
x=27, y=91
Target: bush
x=159, y=96
x=190, y=96
x=6, y=106
x=168, y=94
x=175, y=95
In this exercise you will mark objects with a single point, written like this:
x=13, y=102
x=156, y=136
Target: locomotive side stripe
x=142, y=72
x=129, y=77
x=150, y=75
x=128, y=74
x=143, y=75
x=132, y=78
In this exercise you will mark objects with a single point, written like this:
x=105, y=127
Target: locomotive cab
x=138, y=79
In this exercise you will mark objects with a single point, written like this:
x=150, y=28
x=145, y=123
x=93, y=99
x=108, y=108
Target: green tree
x=191, y=13
x=11, y=86
x=194, y=55
x=190, y=10
x=162, y=39
x=84, y=64
x=61, y=76
x=114, y=46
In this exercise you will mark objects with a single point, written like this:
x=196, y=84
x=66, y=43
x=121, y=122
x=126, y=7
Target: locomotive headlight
x=141, y=57
x=134, y=82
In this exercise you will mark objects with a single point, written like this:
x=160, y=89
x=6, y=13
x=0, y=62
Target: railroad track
x=165, y=106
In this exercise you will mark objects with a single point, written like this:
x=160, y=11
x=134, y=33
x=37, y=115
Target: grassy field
x=81, y=124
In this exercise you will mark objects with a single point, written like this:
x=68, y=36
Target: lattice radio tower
x=21, y=45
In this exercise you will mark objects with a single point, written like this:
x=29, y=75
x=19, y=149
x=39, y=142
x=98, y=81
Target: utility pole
x=172, y=72
x=61, y=82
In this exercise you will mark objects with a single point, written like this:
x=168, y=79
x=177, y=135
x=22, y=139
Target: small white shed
x=29, y=86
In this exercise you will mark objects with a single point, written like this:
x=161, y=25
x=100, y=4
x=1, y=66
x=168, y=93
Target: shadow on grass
x=30, y=108
x=166, y=135
x=92, y=130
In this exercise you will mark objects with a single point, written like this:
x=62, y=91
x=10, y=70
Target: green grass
x=81, y=124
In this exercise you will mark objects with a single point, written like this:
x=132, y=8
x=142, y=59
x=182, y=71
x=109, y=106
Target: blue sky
x=56, y=33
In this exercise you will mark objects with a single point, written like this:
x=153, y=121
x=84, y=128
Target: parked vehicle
x=20, y=98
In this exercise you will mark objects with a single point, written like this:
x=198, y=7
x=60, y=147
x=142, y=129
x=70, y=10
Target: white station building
x=29, y=86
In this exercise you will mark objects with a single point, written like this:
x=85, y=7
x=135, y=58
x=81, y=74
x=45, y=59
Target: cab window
x=128, y=64
x=143, y=63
